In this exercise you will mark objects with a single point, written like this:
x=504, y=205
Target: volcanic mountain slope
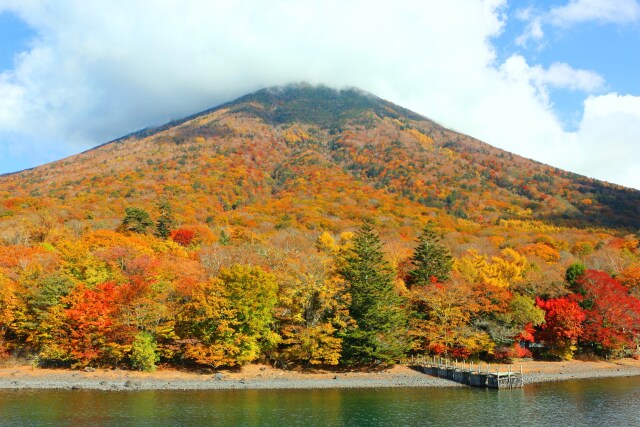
x=265, y=193
x=312, y=157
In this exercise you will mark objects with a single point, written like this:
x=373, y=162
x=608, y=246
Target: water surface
x=603, y=402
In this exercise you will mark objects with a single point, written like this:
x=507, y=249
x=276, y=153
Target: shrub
x=143, y=352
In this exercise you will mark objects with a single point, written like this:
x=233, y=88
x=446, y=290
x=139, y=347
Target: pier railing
x=469, y=373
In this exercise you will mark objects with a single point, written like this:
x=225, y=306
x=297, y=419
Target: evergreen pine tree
x=136, y=220
x=430, y=259
x=572, y=276
x=224, y=239
x=376, y=306
x=166, y=222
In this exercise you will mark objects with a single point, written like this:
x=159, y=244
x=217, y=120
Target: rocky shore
x=265, y=377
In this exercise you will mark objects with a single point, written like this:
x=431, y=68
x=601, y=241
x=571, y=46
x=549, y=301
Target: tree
x=144, y=355
x=183, y=236
x=430, y=259
x=228, y=320
x=312, y=311
x=562, y=327
x=504, y=271
x=224, y=239
x=513, y=325
x=574, y=273
x=443, y=323
x=40, y=317
x=136, y=220
x=91, y=334
x=166, y=222
x=613, y=316
x=630, y=277
x=377, y=308
x=253, y=293
x=8, y=304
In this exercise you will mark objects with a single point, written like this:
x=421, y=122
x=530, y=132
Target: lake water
x=603, y=402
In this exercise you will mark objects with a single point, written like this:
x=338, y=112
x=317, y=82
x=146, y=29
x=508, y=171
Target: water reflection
x=584, y=403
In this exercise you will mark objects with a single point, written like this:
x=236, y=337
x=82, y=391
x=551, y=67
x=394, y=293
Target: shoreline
x=263, y=377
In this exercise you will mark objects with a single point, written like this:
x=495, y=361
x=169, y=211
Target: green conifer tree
x=136, y=220
x=376, y=306
x=572, y=276
x=430, y=259
x=166, y=222
x=224, y=239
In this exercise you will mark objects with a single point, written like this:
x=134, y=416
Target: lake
x=608, y=402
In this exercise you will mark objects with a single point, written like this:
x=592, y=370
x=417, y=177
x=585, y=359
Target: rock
x=89, y=369
x=262, y=368
x=335, y=377
x=128, y=383
x=218, y=376
x=102, y=383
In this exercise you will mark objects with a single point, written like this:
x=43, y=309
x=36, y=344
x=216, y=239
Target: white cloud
x=618, y=12
x=561, y=75
x=609, y=134
x=603, y=11
x=533, y=30
x=100, y=69
x=558, y=75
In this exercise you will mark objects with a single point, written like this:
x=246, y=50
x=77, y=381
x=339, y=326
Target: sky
x=556, y=81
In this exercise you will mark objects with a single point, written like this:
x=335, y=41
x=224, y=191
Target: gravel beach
x=265, y=377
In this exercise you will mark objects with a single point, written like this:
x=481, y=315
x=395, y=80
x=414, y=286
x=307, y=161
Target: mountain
x=228, y=236
x=332, y=157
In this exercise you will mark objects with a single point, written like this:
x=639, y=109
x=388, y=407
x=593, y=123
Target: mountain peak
x=320, y=105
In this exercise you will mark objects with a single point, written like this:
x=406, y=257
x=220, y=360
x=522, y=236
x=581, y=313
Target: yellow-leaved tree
x=228, y=320
x=501, y=271
x=444, y=321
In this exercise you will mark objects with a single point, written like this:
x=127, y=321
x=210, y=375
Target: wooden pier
x=468, y=373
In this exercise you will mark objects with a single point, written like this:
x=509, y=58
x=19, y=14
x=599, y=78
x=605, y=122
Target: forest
x=151, y=293
x=312, y=227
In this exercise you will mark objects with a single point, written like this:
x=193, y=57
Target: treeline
x=150, y=293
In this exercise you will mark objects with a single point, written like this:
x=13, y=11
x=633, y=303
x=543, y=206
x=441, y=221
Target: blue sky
x=15, y=35
x=613, y=51
x=556, y=81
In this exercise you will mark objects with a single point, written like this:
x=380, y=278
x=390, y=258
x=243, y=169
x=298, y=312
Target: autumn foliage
x=562, y=327
x=231, y=237
x=612, y=315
